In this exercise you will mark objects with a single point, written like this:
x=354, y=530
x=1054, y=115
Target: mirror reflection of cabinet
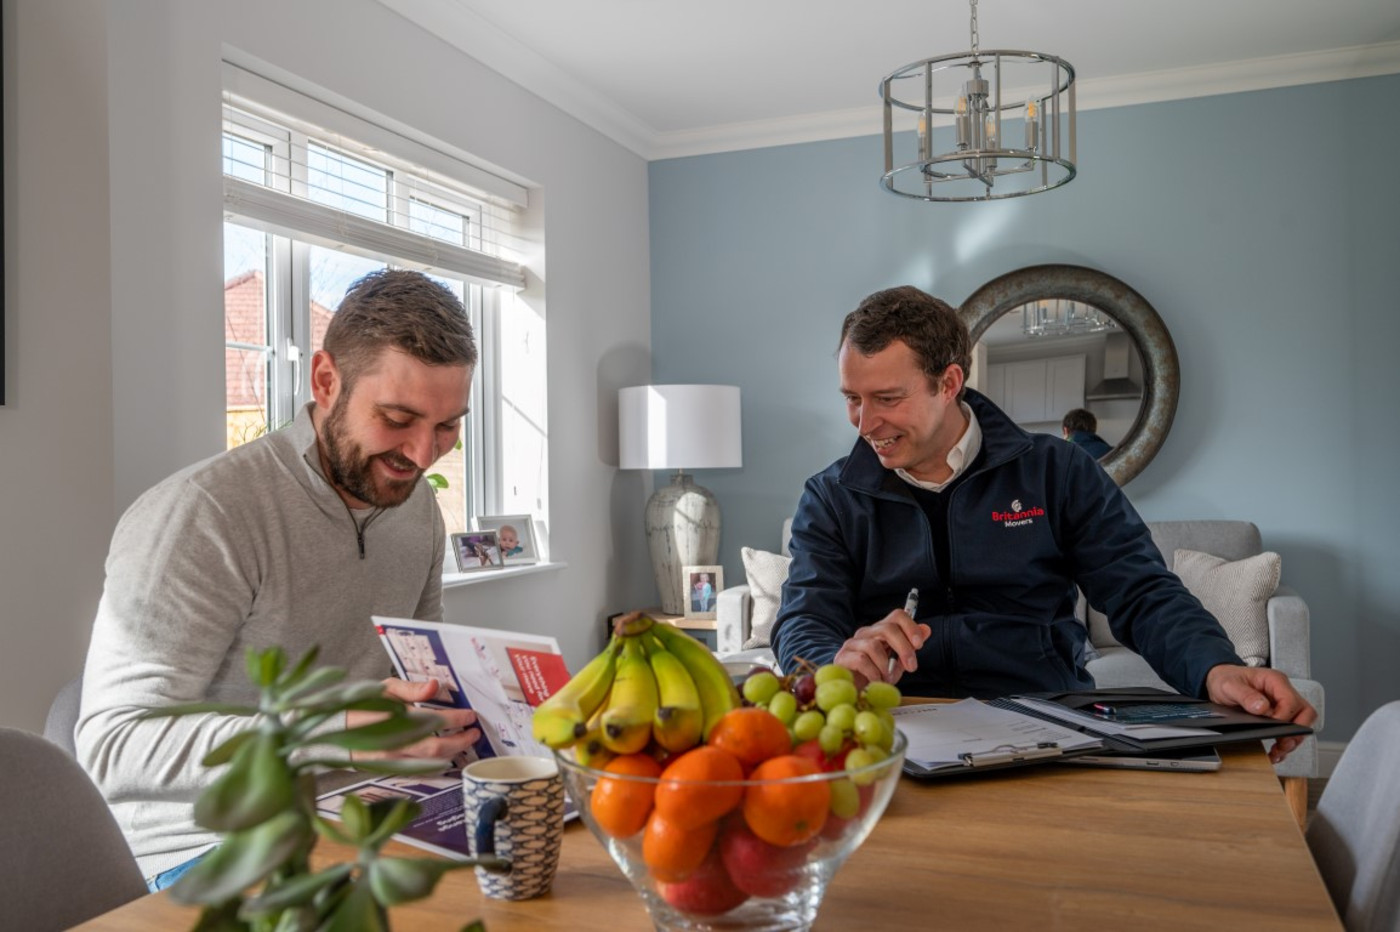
x=1143, y=397
x=1037, y=391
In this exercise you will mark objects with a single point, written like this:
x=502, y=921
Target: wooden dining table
x=1048, y=847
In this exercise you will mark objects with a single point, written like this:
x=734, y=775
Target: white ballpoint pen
x=911, y=605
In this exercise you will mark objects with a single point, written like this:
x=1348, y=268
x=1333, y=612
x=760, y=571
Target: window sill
x=451, y=580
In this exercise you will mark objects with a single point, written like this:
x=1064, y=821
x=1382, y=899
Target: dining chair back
x=63, y=716
x=64, y=860
x=1355, y=832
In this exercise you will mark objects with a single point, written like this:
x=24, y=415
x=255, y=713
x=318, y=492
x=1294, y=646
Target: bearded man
x=292, y=540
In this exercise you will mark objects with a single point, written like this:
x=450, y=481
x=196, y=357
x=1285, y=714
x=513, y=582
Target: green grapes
x=808, y=725
x=869, y=729
x=784, y=706
x=843, y=716
x=760, y=687
x=881, y=695
x=832, y=672
x=862, y=758
x=831, y=739
x=845, y=799
x=836, y=692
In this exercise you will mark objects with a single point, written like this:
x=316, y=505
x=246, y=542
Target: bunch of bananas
x=653, y=687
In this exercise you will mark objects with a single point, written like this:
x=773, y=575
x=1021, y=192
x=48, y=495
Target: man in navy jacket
x=995, y=527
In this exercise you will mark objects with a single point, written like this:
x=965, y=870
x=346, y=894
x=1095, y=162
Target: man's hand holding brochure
x=501, y=675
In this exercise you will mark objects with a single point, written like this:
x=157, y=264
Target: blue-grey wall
x=1262, y=227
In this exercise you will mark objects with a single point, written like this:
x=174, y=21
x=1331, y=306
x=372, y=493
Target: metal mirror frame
x=1161, y=371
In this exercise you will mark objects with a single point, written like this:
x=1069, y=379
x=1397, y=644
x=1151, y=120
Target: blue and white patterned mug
x=515, y=809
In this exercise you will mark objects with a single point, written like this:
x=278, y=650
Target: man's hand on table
x=456, y=735
x=867, y=653
x=1261, y=691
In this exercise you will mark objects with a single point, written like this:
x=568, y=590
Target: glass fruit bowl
x=702, y=853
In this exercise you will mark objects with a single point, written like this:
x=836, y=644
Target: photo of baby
x=515, y=535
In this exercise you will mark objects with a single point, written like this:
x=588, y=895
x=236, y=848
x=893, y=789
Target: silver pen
x=911, y=605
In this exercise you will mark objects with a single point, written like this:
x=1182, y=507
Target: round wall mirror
x=1069, y=311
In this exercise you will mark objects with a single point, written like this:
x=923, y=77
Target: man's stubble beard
x=352, y=471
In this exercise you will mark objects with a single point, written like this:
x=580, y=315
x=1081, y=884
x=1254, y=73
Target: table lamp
x=679, y=427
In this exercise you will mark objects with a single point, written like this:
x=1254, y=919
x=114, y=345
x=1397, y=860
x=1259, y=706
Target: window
x=313, y=202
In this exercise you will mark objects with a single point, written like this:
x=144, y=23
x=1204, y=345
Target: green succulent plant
x=259, y=878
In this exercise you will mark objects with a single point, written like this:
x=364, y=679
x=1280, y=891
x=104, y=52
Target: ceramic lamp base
x=682, y=521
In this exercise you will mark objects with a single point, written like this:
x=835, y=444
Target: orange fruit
x=621, y=806
x=751, y=734
x=790, y=812
x=699, y=786
x=673, y=853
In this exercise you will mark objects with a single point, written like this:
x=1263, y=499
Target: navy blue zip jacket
x=1032, y=517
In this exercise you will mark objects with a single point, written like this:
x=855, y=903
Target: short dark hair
x=927, y=325
x=400, y=309
x=1080, y=419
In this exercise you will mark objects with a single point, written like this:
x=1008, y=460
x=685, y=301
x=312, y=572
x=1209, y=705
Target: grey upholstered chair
x=63, y=716
x=1355, y=833
x=64, y=859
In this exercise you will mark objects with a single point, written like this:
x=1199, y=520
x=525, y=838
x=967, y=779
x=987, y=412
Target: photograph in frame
x=476, y=551
x=515, y=536
x=702, y=585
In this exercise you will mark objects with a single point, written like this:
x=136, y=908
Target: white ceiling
x=678, y=77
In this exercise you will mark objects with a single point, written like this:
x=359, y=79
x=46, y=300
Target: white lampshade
x=679, y=427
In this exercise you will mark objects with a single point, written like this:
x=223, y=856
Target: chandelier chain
x=975, y=38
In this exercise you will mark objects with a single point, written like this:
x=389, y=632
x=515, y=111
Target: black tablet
x=1190, y=760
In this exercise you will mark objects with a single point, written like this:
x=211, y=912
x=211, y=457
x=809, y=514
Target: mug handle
x=491, y=812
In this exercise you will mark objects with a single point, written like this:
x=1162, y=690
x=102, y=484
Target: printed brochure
x=503, y=675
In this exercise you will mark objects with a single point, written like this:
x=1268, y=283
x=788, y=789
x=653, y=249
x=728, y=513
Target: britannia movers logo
x=1018, y=515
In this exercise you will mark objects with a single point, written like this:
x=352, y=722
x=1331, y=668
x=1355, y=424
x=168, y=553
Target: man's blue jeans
x=166, y=878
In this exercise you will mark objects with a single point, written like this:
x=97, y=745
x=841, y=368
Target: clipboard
x=971, y=737
x=1212, y=724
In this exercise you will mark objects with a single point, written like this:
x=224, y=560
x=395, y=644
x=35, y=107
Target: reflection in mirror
x=1050, y=338
x=1060, y=355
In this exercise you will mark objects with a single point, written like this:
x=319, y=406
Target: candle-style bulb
x=1032, y=125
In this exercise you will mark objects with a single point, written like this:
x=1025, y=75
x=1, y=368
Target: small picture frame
x=702, y=586
x=476, y=551
x=515, y=535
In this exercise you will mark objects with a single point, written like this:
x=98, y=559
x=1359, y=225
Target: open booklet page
x=503, y=675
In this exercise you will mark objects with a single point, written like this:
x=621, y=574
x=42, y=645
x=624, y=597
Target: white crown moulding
x=503, y=54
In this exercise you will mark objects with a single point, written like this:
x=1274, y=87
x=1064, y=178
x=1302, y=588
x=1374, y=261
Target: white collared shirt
x=959, y=458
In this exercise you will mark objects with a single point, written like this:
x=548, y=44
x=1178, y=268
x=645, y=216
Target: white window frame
x=280, y=210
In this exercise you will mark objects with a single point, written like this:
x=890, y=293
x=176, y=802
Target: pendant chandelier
x=993, y=100
x=1061, y=317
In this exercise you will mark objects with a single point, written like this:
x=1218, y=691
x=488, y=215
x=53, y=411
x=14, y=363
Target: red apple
x=757, y=867
x=707, y=892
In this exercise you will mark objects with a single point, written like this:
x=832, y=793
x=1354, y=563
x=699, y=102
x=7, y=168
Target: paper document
x=1105, y=726
x=940, y=734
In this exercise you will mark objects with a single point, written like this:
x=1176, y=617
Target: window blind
x=366, y=190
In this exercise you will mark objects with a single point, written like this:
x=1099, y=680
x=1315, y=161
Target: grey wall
x=114, y=293
x=1256, y=224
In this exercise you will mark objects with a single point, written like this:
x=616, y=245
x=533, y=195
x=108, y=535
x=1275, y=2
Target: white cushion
x=766, y=573
x=1237, y=594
